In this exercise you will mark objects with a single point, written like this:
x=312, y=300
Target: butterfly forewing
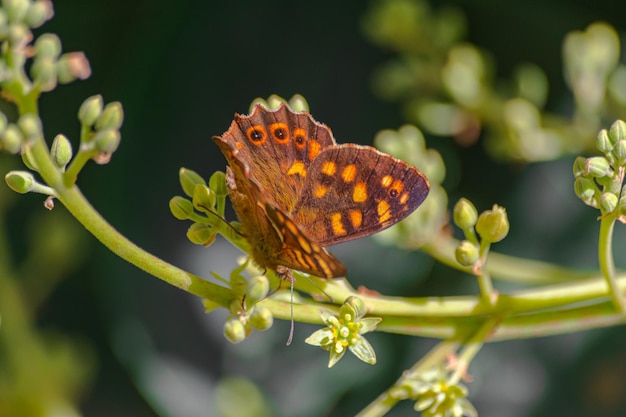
x=277, y=147
x=352, y=191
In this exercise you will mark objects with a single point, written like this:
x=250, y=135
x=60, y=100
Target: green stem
x=386, y=401
x=504, y=267
x=80, y=208
x=607, y=265
x=471, y=349
x=482, y=273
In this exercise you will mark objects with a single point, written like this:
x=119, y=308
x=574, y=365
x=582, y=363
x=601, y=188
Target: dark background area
x=181, y=70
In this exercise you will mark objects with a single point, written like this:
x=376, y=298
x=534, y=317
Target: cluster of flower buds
x=100, y=128
x=491, y=226
x=204, y=206
x=245, y=313
x=598, y=180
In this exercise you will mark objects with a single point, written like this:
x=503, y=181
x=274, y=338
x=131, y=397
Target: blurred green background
x=181, y=70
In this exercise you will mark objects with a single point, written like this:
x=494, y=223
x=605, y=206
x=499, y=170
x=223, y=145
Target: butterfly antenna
x=213, y=212
x=291, y=329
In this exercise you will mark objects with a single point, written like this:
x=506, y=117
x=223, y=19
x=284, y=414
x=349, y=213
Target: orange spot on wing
x=299, y=137
x=404, y=198
x=386, y=181
x=349, y=173
x=397, y=186
x=320, y=191
x=329, y=168
x=314, y=149
x=356, y=218
x=359, y=194
x=383, y=211
x=280, y=132
x=337, y=224
x=297, y=168
x=256, y=135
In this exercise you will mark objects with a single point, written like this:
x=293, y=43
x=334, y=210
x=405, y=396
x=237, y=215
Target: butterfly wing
x=353, y=191
x=277, y=147
x=299, y=252
x=258, y=197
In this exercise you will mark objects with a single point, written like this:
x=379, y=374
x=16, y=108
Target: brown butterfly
x=296, y=191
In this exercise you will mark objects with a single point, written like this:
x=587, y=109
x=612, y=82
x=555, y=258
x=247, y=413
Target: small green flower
x=344, y=332
x=434, y=396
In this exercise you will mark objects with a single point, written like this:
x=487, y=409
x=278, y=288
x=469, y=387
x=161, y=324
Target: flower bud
x=11, y=139
x=261, y=318
x=20, y=181
x=44, y=73
x=234, y=331
x=620, y=151
x=72, y=66
x=465, y=214
x=48, y=45
x=201, y=234
x=585, y=189
x=257, y=289
x=217, y=183
x=38, y=13
x=112, y=116
x=357, y=305
x=188, y=180
x=19, y=34
x=27, y=157
x=617, y=131
x=107, y=141
x=466, y=253
x=90, y=110
x=608, y=202
x=298, y=103
x=603, y=142
x=61, y=151
x=580, y=166
x=203, y=198
x=181, y=208
x=16, y=9
x=493, y=225
x=598, y=167
x=30, y=125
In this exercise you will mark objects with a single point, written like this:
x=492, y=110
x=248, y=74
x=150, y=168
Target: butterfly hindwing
x=352, y=191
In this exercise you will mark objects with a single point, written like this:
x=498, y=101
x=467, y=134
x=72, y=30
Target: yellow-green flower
x=344, y=332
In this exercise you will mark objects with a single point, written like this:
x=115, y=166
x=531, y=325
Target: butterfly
x=296, y=191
